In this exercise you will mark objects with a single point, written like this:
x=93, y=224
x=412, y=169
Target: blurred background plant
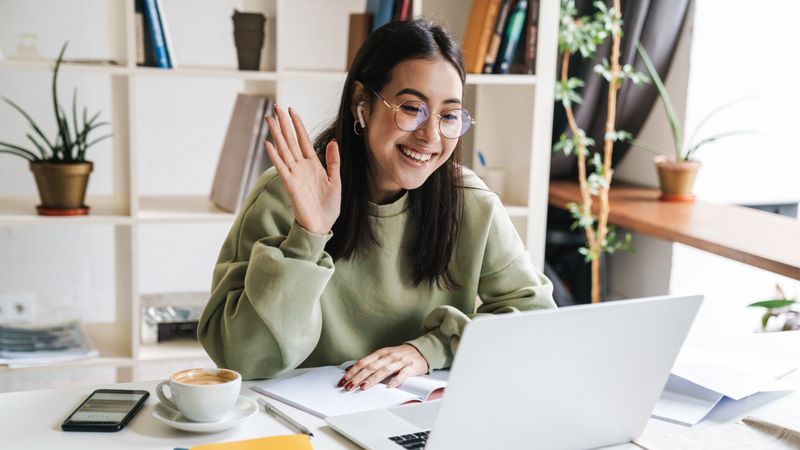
x=780, y=314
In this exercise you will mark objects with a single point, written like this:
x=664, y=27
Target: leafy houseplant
x=583, y=35
x=59, y=165
x=676, y=174
x=779, y=311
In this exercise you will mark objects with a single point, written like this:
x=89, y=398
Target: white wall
x=735, y=51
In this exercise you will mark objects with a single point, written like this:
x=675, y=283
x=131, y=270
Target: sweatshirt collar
x=389, y=209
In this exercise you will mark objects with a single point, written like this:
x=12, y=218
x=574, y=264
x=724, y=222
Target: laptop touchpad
x=420, y=414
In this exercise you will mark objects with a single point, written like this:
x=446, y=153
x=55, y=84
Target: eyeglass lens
x=412, y=115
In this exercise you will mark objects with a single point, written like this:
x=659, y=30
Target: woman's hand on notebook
x=399, y=363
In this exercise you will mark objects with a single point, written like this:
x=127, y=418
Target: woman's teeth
x=420, y=157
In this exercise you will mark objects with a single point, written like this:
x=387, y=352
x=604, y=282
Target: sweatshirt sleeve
x=508, y=282
x=263, y=316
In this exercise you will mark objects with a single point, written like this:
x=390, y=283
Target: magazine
x=23, y=345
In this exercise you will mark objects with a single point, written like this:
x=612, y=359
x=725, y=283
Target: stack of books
x=153, y=42
x=26, y=345
x=243, y=159
x=500, y=37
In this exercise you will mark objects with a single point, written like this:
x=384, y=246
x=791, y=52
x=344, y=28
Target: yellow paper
x=290, y=442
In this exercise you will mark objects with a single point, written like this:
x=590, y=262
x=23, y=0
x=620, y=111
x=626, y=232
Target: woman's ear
x=359, y=105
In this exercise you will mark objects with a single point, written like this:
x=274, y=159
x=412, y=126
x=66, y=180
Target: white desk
x=32, y=419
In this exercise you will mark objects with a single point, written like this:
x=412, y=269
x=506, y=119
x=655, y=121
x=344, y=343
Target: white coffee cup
x=202, y=395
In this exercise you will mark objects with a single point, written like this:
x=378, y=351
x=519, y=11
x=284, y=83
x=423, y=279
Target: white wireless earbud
x=360, y=112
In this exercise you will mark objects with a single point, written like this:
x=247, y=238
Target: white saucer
x=244, y=409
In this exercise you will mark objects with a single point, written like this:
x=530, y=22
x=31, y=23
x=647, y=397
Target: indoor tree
x=582, y=35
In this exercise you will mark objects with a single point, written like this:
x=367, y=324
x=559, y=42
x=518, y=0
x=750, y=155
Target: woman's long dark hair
x=436, y=205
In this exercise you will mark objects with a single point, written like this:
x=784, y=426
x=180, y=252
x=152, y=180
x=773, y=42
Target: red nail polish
x=363, y=385
x=350, y=386
x=342, y=382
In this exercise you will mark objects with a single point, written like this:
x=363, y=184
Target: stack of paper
x=700, y=379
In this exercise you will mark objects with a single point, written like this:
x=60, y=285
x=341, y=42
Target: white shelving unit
x=514, y=114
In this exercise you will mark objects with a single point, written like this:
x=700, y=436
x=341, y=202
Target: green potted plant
x=779, y=311
x=59, y=165
x=676, y=173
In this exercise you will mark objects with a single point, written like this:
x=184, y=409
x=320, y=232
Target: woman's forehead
x=435, y=79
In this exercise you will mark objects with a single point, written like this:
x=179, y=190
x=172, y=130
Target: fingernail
x=275, y=105
x=342, y=382
x=350, y=386
x=363, y=385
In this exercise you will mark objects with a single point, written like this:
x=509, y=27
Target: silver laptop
x=573, y=378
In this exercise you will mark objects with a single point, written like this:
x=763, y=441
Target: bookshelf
x=302, y=69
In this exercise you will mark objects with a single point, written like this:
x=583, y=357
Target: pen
x=278, y=414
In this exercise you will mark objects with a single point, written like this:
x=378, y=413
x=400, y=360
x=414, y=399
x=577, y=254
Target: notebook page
x=315, y=392
x=684, y=402
x=424, y=386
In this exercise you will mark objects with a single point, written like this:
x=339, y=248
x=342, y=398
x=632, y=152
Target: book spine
x=156, y=34
x=478, y=34
x=162, y=19
x=532, y=31
x=381, y=11
x=516, y=23
x=497, y=37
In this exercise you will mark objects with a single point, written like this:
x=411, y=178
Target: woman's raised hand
x=316, y=193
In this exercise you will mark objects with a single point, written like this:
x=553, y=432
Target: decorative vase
x=676, y=179
x=62, y=187
x=248, y=35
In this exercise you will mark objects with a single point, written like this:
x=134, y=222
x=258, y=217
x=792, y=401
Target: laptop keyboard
x=411, y=441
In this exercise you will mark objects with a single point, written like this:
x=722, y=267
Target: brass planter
x=62, y=187
x=676, y=179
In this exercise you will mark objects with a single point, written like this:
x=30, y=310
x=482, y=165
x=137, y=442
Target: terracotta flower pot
x=676, y=179
x=62, y=187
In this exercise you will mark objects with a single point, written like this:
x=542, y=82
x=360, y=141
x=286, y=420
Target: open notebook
x=315, y=392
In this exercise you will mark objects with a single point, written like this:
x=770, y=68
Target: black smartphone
x=105, y=410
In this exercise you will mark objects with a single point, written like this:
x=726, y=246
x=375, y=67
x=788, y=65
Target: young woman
x=371, y=243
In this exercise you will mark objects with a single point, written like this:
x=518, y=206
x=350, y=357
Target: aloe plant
x=70, y=143
x=684, y=150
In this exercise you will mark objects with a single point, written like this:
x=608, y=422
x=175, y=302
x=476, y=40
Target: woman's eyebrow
x=423, y=96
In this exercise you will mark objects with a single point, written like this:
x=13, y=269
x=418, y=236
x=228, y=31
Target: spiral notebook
x=315, y=392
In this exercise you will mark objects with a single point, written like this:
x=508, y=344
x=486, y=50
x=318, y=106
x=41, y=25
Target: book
x=358, y=30
x=511, y=36
x=403, y=9
x=478, y=34
x=144, y=46
x=259, y=162
x=229, y=188
x=497, y=36
x=315, y=392
x=26, y=345
x=381, y=11
x=531, y=34
x=162, y=19
x=289, y=442
x=161, y=59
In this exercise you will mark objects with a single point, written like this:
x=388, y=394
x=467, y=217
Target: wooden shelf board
x=21, y=210
x=48, y=65
x=756, y=238
x=188, y=208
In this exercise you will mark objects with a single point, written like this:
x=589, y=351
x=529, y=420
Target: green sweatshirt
x=279, y=301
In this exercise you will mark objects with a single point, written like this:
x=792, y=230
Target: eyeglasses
x=412, y=115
